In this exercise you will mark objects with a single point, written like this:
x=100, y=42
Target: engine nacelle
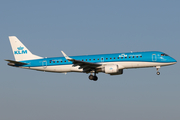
x=113, y=70
x=118, y=73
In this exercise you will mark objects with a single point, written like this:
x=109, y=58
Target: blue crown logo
x=20, y=48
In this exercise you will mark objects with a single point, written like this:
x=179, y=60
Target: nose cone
x=173, y=60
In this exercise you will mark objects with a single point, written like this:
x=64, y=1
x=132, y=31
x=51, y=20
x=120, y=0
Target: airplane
x=112, y=64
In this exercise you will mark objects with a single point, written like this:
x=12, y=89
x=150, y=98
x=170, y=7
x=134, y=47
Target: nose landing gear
x=158, y=73
x=157, y=68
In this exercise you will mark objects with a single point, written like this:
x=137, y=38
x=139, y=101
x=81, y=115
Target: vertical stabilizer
x=20, y=51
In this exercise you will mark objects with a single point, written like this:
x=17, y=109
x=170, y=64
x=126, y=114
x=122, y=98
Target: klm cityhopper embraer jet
x=112, y=64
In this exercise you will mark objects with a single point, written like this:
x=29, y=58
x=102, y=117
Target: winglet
x=68, y=58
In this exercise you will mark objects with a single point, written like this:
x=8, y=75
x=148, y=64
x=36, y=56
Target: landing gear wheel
x=158, y=73
x=91, y=77
x=95, y=78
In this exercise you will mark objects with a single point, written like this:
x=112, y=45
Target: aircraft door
x=154, y=58
x=44, y=64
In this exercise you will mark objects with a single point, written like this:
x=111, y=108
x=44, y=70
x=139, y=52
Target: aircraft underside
x=126, y=65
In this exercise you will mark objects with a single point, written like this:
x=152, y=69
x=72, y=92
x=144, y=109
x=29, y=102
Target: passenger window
x=98, y=59
x=106, y=58
x=121, y=57
x=65, y=61
x=133, y=56
x=141, y=56
x=89, y=59
x=86, y=59
x=93, y=59
x=110, y=58
x=53, y=61
x=50, y=61
x=129, y=56
x=57, y=61
x=137, y=56
x=118, y=58
x=61, y=61
x=125, y=57
x=82, y=60
x=114, y=58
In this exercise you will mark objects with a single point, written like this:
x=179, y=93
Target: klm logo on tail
x=20, y=51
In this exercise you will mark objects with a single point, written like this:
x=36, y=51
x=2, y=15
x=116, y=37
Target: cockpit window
x=164, y=54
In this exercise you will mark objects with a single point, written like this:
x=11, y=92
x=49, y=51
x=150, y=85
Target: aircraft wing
x=86, y=66
x=16, y=62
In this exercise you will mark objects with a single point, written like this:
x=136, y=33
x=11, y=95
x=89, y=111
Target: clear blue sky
x=90, y=27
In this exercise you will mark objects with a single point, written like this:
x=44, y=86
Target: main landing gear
x=157, y=68
x=93, y=77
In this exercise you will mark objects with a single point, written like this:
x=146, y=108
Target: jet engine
x=113, y=70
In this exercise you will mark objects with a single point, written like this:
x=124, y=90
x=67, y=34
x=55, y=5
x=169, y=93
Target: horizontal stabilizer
x=12, y=63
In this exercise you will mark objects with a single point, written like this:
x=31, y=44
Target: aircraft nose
x=173, y=60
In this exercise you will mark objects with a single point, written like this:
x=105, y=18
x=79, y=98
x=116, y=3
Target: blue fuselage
x=151, y=56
